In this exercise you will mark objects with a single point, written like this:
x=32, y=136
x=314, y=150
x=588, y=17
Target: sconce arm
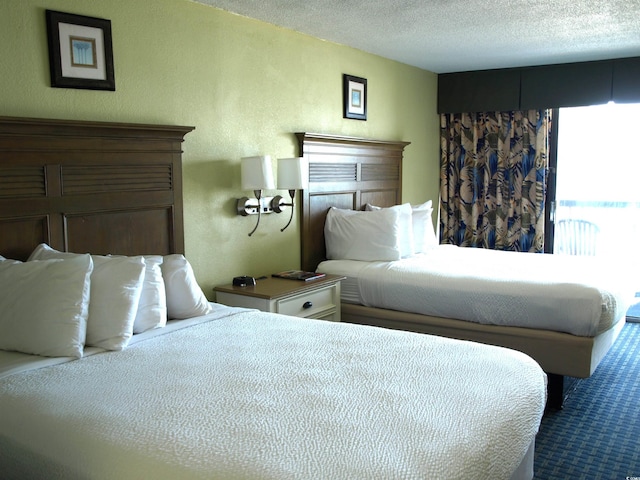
x=277, y=203
x=258, y=194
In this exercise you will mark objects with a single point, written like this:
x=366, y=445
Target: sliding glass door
x=597, y=187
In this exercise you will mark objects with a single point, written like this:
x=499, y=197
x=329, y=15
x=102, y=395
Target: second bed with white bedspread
x=246, y=394
x=576, y=295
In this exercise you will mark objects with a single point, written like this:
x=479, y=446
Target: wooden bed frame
x=90, y=187
x=348, y=172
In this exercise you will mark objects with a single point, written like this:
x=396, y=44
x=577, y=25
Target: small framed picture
x=80, y=51
x=354, y=93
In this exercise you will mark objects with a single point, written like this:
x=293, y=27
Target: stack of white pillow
x=56, y=303
x=379, y=234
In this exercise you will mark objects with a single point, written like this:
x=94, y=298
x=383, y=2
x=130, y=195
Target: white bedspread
x=578, y=295
x=258, y=395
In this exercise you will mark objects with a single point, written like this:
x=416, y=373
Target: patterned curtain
x=493, y=179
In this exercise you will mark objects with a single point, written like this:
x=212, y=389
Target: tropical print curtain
x=493, y=179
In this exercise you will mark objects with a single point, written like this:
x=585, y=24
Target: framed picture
x=80, y=51
x=354, y=93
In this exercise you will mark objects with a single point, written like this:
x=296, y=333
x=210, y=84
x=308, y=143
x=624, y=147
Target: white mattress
x=258, y=395
x=577, y=295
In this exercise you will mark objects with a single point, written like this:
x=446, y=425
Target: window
x=598, y=179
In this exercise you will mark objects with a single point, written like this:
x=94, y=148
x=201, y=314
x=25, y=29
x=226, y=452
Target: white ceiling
x=458, y=35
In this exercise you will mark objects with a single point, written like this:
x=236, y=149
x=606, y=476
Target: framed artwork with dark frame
x=80, y=51
x=354, y=96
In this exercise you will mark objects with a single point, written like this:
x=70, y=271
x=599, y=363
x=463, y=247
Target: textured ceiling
x=459, y=35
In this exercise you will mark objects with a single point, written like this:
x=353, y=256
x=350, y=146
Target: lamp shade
x=293, y=173
x=256, y=173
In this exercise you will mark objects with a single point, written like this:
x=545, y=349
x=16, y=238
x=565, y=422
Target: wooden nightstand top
x=272, y=287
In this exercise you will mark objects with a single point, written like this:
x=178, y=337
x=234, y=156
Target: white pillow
x=424, y=236
x=185, y=298
x=44, y=306
x=405, y=233
x=152, y=307
x=116, y=284
x=368, y=236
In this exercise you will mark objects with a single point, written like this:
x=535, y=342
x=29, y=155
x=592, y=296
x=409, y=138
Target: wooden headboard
x=345, y=172
x=90, y=187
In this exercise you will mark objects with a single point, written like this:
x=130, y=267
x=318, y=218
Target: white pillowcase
x=405, y=227
x=152, y=308
x=116, y=285
x=367, y=236
x=185, y=298
x=44, y=306
x=424, y=236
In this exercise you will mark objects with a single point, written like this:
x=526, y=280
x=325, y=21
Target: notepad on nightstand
x=299, y=275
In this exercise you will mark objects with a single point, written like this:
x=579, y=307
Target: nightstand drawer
x=309, y=304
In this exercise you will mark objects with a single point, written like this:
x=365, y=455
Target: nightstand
x=313, y=299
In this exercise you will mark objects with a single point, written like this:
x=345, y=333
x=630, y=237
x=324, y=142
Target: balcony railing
x=618, y=224
x=618, y=234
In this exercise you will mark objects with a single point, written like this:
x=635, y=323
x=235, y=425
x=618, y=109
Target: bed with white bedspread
x=246, y=394
x=348, y=175
x=575, y=295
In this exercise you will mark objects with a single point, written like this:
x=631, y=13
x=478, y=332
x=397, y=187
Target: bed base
x=559, y=354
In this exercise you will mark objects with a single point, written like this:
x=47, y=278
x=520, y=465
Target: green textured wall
x=246, y=86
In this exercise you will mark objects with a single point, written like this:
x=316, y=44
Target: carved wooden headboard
x=90, y=187
x=345, y=172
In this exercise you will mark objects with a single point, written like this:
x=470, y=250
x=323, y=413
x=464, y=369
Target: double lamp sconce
x=257, y=175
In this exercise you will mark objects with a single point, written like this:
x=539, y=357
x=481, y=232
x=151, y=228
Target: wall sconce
x=293, y=174
x=257, y=175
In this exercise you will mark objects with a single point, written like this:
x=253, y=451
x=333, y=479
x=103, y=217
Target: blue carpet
x=597, y=433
